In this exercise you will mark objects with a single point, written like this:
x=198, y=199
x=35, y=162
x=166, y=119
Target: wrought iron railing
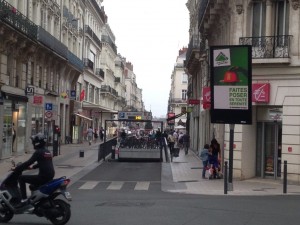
x=100, y=72
x=202, y=9
x=268, y=46
x=91, y=33
x=100, y=11
x=107, y=39
x=75, y=61
x=178, y=100
x=17, y=20
x=88, y=63
x=50, y=41
x=105, y=88
x=194, y=45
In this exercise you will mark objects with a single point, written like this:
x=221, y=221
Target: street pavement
x=183, y=175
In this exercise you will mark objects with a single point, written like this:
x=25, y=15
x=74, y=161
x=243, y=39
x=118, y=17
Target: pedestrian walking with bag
x=204, y=156
x=171, y=143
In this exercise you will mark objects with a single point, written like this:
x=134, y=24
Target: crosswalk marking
x=142, y=186
x=89, y=185
x=115, y=185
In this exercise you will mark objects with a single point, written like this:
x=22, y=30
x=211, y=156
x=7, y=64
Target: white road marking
x=142, y=186
x=89, y=185
x=115, y=185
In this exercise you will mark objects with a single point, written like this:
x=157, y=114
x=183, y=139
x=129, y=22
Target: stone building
x=272, y=30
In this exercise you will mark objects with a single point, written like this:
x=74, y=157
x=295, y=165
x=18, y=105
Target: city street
x=130, y=194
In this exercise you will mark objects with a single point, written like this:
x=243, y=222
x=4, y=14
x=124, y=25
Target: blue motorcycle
x=43, y=201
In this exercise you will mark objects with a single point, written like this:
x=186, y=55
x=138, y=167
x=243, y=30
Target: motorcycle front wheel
x=5, y=214
x=64, y=214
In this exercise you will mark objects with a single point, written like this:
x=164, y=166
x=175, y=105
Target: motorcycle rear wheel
x=64, y=212
x=5, y=215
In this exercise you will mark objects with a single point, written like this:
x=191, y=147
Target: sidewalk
x=187, y=178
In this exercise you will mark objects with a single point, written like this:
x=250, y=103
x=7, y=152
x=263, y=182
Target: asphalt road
x=130, y=194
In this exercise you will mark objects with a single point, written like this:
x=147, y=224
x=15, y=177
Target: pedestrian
x=215, y=152
x=180, y=140
x=164, y=137
x=90, y=135
x=95, y=135
x=186, y=142
x=101, y=133
x=171, y=143
x=204, y=155
x=13, y=132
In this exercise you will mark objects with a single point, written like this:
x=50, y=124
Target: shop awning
x=98, y=108
x=84, y=117
x=13, y=93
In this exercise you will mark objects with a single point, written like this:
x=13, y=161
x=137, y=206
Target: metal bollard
x=285, y=177
x=225, y=178
x=81, y=153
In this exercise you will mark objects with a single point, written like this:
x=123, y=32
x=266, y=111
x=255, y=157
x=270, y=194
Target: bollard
x=81, y=153
x=285, y=177
x=225, y=178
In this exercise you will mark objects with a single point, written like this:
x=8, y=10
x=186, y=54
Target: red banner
x=261, y=92
x=82, y=94
x=206, y=95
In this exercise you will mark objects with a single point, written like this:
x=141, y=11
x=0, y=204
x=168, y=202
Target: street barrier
x=106, y=148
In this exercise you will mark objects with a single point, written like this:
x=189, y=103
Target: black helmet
x=38, y=140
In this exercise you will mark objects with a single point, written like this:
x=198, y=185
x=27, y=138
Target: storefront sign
x=231, y=84
x=171, y=115
x=38, y=100
x=29, y=91
x=193, y=101
x=261, y=92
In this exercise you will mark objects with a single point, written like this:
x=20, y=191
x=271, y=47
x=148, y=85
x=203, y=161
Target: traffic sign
x=48, y=114
x=48, y=106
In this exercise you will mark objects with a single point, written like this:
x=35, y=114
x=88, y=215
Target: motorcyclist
x=43, y=157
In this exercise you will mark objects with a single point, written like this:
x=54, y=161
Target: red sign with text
x=261, y=92
x=38, y=100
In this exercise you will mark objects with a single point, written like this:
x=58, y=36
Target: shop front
x=13, y=124
x=269, y=143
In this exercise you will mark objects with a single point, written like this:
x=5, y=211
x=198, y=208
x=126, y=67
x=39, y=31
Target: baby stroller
x=215, y=169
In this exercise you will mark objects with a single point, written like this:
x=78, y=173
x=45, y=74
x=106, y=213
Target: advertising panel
x=231, y=84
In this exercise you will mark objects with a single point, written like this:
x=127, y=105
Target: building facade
x=177, y=104
x=59, y=72
x=271, y=28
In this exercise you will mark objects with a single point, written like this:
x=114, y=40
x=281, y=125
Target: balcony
x=93, y=36
x=105, y=89
x=178, y=101
x=51, y=42
x=107, y=39
x=100, y=73
x=17, y=20
x=268, y=47
x=207, y=13
x=75, y=61
x=100, y=11
x=88, y=64
x=193, y=54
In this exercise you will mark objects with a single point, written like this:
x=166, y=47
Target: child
x=204, y=155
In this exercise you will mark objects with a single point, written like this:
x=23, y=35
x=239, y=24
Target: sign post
x=231, y=95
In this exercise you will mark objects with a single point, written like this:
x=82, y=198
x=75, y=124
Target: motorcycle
x=43, y=201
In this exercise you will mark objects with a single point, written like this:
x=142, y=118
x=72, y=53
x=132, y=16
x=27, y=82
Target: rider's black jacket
x=43, y=157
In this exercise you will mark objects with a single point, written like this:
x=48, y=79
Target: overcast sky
x=149, y=34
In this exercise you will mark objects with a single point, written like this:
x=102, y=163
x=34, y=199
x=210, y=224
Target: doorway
x=268, y=155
